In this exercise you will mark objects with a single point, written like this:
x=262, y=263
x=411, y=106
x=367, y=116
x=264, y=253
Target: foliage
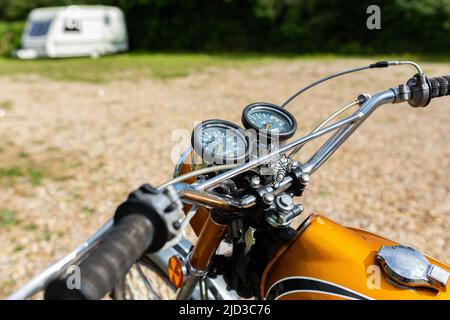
x=272, y=25
x=10, y=33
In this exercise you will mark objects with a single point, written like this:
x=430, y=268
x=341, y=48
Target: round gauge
x=269, y=117
x=220, y=142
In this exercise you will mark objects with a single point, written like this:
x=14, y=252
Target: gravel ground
x=71, y=152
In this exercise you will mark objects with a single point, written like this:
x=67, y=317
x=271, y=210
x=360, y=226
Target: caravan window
x=39, y=28
x=72, y=24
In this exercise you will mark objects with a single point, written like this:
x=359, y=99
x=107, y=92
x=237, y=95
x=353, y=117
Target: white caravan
x=74, y=31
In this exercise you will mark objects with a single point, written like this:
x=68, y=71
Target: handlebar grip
x=448, y=84
x=439, y=86
x=109, y=262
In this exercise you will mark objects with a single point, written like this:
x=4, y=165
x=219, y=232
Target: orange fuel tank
x=328, y=261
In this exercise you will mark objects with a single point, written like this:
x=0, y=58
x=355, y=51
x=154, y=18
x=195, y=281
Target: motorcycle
x=236, y=189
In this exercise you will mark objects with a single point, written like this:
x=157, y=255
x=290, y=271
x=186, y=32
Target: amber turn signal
x=176, y=270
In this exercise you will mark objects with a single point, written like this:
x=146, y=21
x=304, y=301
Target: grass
x=8, y=218
x=88, y=210
x=6, y=105
x=20, y=169
x=18, y=248
x=9, y=175
x=19, y=166
x=31, y=227
x=134, y=66
x=124, y=66
x=46, y=234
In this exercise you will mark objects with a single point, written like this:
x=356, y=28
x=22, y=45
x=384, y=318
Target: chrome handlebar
x=197, y=194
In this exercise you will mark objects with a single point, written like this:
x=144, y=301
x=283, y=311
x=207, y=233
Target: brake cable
x=327, y=120
x=379, y=64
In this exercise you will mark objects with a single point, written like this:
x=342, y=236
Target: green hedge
x=10, y=34
x=416, y=26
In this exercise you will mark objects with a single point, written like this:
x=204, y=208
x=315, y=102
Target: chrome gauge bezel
x=261, y=106
x=221, y=124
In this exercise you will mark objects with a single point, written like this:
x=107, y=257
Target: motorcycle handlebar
x=108, y=263
x=134, y=234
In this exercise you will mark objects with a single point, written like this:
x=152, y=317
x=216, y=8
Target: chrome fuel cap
x=408, y=267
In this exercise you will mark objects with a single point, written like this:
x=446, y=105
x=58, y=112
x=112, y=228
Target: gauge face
x=269, y=117
x=269, y=120
x=220, y=142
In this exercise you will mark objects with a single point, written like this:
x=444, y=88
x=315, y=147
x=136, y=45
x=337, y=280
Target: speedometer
x=220, y=142
x=271, y=118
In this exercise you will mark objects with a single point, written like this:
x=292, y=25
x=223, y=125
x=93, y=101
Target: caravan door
x=77, y=31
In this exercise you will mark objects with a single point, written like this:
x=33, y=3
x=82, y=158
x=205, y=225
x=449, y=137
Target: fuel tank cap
x=408, y=267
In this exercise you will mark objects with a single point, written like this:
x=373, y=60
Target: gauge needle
x=219, y=148
x=267, y=126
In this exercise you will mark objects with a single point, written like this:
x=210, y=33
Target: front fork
x=198, y=261
x=195, y=280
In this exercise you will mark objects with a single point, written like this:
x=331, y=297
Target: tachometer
x=220, y=142
x=269, y=117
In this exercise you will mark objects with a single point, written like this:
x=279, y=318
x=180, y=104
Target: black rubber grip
x=448, y=82
x=108, y=263
x=439, y=86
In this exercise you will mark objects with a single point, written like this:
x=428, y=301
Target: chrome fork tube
x=187, y=289
x=193, y=278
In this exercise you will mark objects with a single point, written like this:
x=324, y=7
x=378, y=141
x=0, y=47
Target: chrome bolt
x=176, y=225
x=305, y=178
x=285, y=202
x=268, y=198
x=255, y=182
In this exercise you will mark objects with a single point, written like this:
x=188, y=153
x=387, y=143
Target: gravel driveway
x=71, y=152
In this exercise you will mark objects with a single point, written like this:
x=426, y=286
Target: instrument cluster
x=223, y=142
